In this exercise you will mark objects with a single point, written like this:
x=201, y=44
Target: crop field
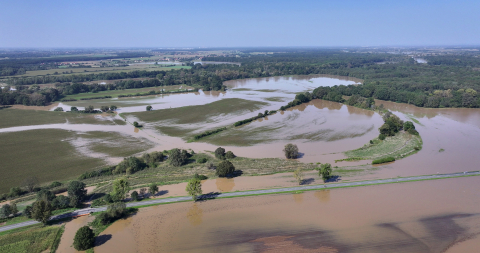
x=398, y=146
x=15, y=117
x=76, y=71
x=114, y=144
x=39, y=239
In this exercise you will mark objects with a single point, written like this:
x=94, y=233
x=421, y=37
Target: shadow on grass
x=102, y=239
x=307, y=181
x=333, y=179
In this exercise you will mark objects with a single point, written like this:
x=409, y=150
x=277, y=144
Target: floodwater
x=426, y=216
x=71, y=228
x=450, y=140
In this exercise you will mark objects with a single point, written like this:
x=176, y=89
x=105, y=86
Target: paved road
x=235, y=194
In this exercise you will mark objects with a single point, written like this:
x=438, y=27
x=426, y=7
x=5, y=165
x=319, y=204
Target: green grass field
x=45, y=154
x=33, y=240
x=16, y=117
x=115, y=144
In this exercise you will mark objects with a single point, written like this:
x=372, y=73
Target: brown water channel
x=425, y=216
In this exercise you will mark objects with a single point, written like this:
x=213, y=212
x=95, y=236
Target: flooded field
x=425, y=216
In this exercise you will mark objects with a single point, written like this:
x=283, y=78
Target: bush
x=229, y=155
x=220, y=153
x=381, y=137
x=412, y=131
x=178, y=157
x=135, y=124
x=84, y=238
x=58, y=109
x=129, y=165
x=61, y=202
x=408, y=125
x=291, y=151
x=201, y=177
x=149, y=108
x=116, y=210
x=384, y=160
x=45, y=194
x=55, y=184
x=225, y=168
x=202, y=160
x=134, y=196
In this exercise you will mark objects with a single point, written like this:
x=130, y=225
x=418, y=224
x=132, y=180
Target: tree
x=194, y=188
x=229, y=155
x=76, y=192
x=104, y=108
x=30, y=183
x=28, y=212
x=121, y=188
x=134, y=196
x=325, y=171
x=178, y=157
x=84, y=239
x=113, y=107
x=291, y=151
x=41, y=211
x=117, y=210
x=298, y=175
x=5, y=211
x=149, y=108
x=135, y=124
x=142, y=192
x=225, y=168
x=152, y=189
x=45, y=194
x=220, y=153
x=15, y=191
x=74, y=109
x=13, y=209
x=61, y=202
x=89, y=109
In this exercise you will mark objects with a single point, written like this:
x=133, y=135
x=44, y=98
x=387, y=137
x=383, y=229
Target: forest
x=446, y=81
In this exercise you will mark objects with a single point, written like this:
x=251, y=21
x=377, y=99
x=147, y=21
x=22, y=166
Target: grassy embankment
x=187, y=121
x=31, y=239
x=399, y=146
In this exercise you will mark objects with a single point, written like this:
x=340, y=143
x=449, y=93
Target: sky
x=231, y=23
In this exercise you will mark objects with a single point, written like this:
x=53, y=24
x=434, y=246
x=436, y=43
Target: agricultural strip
x=115, y=93
x=33, y=240
x=15, y=117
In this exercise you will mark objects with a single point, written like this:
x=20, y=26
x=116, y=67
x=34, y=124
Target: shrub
x=134, y=196
x=135, y=124
x=381, y=137
x=408, y=125
x=58, y=109
x=384, y=160
x=412, y=131
x=225, y=168
x=149, y=108
x=55, y=184
x=220, y=153
x=229, y=155
x=116, y=210
x=201, y=177
x=202, y=160
x=45, y=194
x=291, y=151
x=84, y=238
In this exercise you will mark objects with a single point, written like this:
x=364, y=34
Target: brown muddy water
x=71, y=228
x=425, y=216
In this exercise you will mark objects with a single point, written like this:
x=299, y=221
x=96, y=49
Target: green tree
x=220, y=153
x=291, y=151
x=117, y=210
x=5, y=211
x=229, y=155
x=13, y=209
x=121, y=187
x=194, y=188
x=298, y=175
x=15, y=192
x=45, y=194
x=60, y=202
x=153, y=189
x=178, y=157
x=28, y=212
x=84, y=239
x=30, y=183
x=149, y=107
x=76, y=192
x=135, y=124
x=74, y=109
x=134, y=196
x=225, y=168
x=42, y=211
x=325, y=171
x=113, y=107
x=89, y=109
x=104, y=108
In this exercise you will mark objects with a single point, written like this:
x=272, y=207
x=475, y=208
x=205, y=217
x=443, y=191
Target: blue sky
x=185, y=23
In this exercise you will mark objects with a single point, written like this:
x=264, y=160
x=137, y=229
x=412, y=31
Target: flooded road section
x=425, y=216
